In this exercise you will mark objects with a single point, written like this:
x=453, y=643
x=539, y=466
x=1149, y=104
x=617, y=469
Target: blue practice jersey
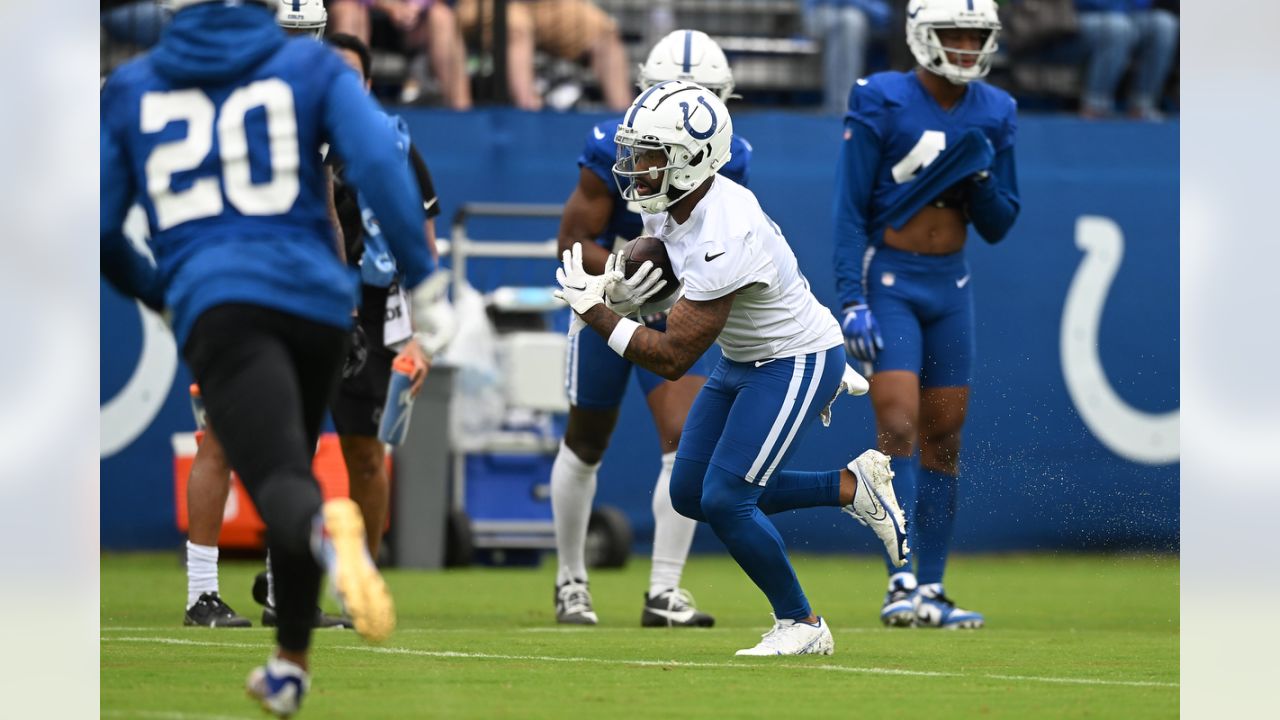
x=217, y=134
x=600, y=153
x=894, y=133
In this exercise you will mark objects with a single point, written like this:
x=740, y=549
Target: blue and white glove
x=861, y=333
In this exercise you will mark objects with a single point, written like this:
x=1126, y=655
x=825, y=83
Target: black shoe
x=210, y=611
x=260, y=588
x=673, y=608
x=322, y=619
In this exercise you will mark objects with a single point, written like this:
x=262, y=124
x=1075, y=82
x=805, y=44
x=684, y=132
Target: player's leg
x=895, y=399
x=948, y=371
x=207, y=490
x=253, y=396
x=774, y=402
x=595, y=380
x=357, y=411
x=666, y=604
x=366, y=459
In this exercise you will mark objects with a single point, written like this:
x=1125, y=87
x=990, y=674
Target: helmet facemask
x=652, y=171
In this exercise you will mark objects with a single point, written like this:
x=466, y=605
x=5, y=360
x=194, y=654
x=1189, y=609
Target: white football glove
x=628, y=295
x=434, y=320
x=853, y=383
x=579, y=288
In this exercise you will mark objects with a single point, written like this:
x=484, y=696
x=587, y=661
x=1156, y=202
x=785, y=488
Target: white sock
x=202, y=571
x=672, y=534
x=573, y=488
x=271, y=583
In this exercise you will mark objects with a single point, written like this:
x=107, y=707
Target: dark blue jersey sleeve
x=855, y=178
x=993, y=202
x=121, y=264
x=376, y=166
x=738, y=169
x=599, y=154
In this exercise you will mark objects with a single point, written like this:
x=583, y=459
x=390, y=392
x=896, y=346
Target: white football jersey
x=728, y=244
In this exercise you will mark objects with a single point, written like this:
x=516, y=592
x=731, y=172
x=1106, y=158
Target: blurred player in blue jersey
x=597, y=216
x=783, y=361
x=216, y=133
x=925, y=154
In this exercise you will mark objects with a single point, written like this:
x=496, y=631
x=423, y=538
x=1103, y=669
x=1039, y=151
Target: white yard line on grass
x=663, y=663
x=164, y=715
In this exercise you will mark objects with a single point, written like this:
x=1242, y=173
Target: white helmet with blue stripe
x=926, y=17
x=688, y=55
x=302, y=16
x=676, y=131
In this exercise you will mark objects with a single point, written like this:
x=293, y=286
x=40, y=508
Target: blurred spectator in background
x=137, y=23
x=349, y=17
x=1114, y=33
x=574, y=30
x=430, y=28
x=845, y=28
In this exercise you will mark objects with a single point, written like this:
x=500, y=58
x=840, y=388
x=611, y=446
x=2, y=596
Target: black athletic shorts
x=358, y=402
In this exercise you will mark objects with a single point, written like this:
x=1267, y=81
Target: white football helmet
x=302, y=15
x=676, y=128
x=925, y=17
x=688, y=55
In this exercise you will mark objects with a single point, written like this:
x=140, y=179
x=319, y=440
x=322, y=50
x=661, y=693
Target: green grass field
x=1066, y=636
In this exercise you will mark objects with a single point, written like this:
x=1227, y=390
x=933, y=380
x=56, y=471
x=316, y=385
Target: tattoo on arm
x=692, y=325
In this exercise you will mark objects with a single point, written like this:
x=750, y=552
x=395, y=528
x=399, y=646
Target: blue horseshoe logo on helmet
x=684, y=106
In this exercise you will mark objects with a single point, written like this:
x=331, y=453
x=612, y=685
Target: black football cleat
x=673, y=608
x=211, y=611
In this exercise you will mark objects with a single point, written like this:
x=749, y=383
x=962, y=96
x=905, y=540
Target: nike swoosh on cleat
x=679, y=616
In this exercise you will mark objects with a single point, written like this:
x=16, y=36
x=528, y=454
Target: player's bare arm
x=692, y=326
x=586, y=214
x=333, y=214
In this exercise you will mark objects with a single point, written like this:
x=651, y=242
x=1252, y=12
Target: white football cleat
x=899, y=604
x=789, y=637
x=573, y=604
x=278, y=686
x=875, y=505
x=355, y=579
x=933, y=609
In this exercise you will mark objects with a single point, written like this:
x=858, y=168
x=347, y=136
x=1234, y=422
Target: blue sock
x=729, y=505
x=796, y=489
x=904, y=487
x=935, y=519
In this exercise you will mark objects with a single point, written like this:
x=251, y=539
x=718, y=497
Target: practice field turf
x=1066, y=636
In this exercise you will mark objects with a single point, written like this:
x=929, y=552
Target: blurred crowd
x=1097, y=58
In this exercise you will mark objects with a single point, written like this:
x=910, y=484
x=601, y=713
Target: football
x=646, y=247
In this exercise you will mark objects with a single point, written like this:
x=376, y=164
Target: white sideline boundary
x=665, y=663
x=167, y=715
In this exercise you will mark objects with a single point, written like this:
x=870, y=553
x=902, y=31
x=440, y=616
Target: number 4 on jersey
x=926, y=150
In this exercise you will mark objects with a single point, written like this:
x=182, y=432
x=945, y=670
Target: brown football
x=646, y=247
